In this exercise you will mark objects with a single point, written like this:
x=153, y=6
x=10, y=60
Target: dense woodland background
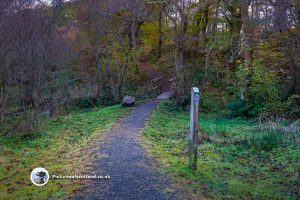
x=61, y=55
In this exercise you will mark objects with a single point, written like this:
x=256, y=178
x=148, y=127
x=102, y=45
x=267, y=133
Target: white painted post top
x=195, y=90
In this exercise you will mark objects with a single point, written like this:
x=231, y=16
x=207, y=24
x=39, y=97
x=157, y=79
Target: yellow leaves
x=270, y=52
x=151, y=31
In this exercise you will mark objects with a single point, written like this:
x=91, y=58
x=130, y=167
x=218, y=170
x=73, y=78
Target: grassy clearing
x=235, y=160
x=63, y=147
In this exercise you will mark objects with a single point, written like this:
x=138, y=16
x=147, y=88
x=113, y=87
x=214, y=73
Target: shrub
x=293, y=105
x=105, y=97
x=238, y=108
x=81, y=103
x=257, y=86
x=212, y=100
x=89, y=102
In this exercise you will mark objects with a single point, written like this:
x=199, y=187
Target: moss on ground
x=63, y=147
x=234, y=162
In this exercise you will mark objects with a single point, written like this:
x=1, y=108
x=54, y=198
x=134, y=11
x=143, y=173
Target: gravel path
x=133, y=175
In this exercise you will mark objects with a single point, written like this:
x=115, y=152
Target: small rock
x=128, y=101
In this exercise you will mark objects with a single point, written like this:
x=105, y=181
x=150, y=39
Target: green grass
x=63, y=147
x=234, y=161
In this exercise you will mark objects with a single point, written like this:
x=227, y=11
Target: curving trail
x=133, y=174
x=153, y=74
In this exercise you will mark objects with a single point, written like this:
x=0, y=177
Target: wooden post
x=193, y=139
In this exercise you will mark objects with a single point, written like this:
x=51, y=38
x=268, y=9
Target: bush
x=238, y=108
x=257, y=86
x=81, y=103
x=89, y=102
x=212, y=101
x=293, y=105
x=105, y=97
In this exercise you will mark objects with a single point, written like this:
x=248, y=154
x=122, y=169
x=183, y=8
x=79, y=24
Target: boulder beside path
x=128, y=101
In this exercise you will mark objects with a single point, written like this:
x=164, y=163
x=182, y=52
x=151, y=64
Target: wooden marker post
x=193, y=140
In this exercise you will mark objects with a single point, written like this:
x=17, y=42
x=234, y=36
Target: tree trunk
x=207, y=59
x=248, y=50
x=294, y=68
x=122, y=80
x=281, y=27
x=179, y=67
x=204, y=23
x=210, y=48
x=107, y=65
x=179, y=32
x=133, y=39
x=280, y=15
x=179, y=63
x=2, y=98
x=160, y=35
x=235, y=29
x=109, y=74
x=54, y=105
x=98, y=61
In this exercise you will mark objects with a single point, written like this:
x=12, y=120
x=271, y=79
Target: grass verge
x=65, y=146
x=235, y=162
